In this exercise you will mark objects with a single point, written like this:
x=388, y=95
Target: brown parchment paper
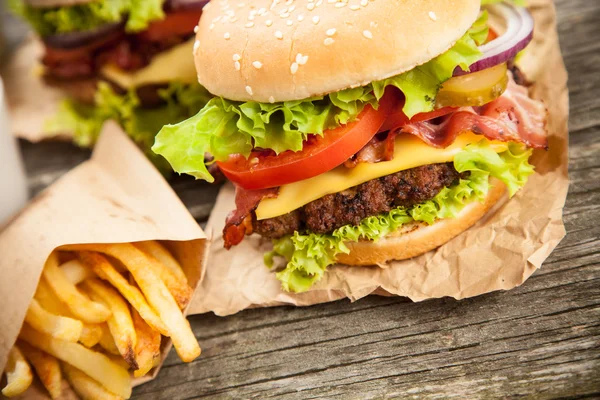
x=30, y=101
x=115, y=197
x=499, y=253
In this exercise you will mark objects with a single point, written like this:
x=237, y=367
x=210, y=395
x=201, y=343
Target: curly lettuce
x=309, y=254
x=141, y=124
x=84, y=17
x=226, y=127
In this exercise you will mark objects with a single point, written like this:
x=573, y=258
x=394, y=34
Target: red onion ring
x=72, y=40
x=519, y=32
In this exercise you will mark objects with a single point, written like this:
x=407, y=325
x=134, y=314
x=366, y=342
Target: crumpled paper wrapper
x=499, y=253
x=116, y=197
x=30, y=101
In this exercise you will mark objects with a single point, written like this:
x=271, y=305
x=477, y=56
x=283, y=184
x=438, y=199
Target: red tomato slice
x=179, y=23
x=397, y=118
x=320, y=155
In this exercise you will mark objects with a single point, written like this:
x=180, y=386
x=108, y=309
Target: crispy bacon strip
x=514, y=116
x=239, y=222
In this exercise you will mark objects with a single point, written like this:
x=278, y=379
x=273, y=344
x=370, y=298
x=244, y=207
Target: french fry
x=180, y=290
x=148, y=345
x=107, y=342
x=90, y=335
x=120, y=322
x=46, y=367
x=156, y=292
x=82, y=307
x=18, y=374
x=76, y=272
x=86, y=387
x=62, y=328
x=160, y=253
x=117, y=359
x=105, y=270
x=96, y=365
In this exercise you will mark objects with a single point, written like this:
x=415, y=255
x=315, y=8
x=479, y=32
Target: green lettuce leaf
x=226, y=127
x=309, y=254
x=85, y=121
x=84, y=17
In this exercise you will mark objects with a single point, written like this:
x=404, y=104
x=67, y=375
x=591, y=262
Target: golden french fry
x=120, y=322
x=160, y=253
x=46, y=367
x=76, y=272
x=117, y=359
x=90, y=335
x=181, y=291
x=148, y=345
x=82, y=307
x=86, y=387
x=62, y=328
x=18, y=374
x=105, y=270
x=157, y=294
x=94, y=364
x=107, y=342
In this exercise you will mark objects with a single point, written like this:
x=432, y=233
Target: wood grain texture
x=539, y=341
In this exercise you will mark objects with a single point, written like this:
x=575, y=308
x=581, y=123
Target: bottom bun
x=417, y=238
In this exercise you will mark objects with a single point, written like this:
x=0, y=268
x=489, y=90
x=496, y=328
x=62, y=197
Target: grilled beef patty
x=402, y=189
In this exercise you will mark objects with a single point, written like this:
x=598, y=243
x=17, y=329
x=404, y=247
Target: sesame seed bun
x=276, y=50
x=416, y=239
x=55, y=3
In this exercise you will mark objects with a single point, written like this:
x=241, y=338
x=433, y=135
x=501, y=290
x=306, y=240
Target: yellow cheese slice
x=173, y=65
x=409, y=152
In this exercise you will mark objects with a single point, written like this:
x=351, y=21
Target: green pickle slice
x=475, y=89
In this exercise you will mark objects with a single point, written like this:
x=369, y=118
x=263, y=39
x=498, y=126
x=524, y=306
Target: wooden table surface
x=540, y=341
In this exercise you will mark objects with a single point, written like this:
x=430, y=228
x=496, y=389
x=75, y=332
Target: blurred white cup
x=13, y=182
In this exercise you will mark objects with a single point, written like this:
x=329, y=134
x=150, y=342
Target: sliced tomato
x=397, y=117
x=260, y=170
x=178, y=23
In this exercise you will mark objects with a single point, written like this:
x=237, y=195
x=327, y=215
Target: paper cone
x=116, y=197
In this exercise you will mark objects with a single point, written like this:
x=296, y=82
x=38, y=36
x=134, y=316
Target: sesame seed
x=328, y=41
x=319, y=3
x=279, y=35
x=373, y=24
x=257, y=64
x=233, y=19
x=211, y=27
x=364, y=3
x=301, y=59
x=249, y=90
x=249, y=25
x=227, y=36
x=292, y=8
x=332, y=1
x=271, y=99
x=331, y=32
x=216, y=19
x=432, y=16
x=237, y=65
x=236, y=57
x=289, y=22
x=340, y=5
x=294, y=68
x=300, y=17
x=196, y=29
x=315, y=19
x=310, y=6
x=268, y=22
x=367, y=34
x=196, y=47
x=262, y=11
x=284, y=15
x=355, y=7
x=251, y=17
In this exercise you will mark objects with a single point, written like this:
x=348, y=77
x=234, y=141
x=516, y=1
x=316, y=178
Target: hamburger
x=122, y=60
x=359, y=132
